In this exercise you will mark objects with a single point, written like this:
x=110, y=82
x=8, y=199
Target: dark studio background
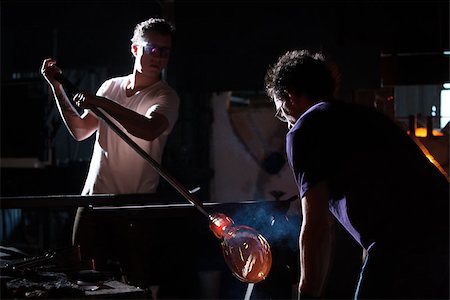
x=219, y=46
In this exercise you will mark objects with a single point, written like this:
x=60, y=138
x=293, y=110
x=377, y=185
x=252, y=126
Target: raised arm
x=316, y=241
x=79, y=126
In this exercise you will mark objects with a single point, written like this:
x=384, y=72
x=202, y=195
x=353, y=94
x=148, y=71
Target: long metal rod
x=178, y=186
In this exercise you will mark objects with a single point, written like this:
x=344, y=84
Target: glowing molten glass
x=246, y=252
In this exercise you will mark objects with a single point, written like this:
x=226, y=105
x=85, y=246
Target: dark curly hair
x=153, y=24
x=305, y=73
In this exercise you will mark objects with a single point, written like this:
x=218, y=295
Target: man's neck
x=138, y=82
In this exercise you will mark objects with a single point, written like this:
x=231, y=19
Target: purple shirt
x=378, y=177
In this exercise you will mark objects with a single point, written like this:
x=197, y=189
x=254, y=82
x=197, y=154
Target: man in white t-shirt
x=143, y=105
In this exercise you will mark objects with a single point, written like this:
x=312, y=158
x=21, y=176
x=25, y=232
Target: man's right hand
x=49, y=70
x=87, y=100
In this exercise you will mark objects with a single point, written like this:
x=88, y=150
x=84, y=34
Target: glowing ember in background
x=422, y=132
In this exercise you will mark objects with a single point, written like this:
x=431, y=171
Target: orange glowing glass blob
x=246, y=252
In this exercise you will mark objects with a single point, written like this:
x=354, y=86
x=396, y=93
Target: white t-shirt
x=115, y=167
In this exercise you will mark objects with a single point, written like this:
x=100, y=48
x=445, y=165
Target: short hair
x=158, y=25
x=306, y=73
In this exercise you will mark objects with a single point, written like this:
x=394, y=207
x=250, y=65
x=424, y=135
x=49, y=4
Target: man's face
x=152, y=54
x=284, y=112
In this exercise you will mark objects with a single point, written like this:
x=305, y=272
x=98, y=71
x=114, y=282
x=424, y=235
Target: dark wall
x=80, y=34
x=229, y=46
x=220, y=45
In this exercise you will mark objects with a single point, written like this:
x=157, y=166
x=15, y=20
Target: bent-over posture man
x=353, y=164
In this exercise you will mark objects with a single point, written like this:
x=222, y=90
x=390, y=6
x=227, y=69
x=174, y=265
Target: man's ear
x=134, y=49
x=291, y=97
x=296, y=98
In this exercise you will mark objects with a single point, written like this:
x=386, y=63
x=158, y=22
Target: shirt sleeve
x=103, y=89
x=167, y=104
x=313, y=151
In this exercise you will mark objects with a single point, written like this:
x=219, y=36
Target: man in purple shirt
x=355, y=165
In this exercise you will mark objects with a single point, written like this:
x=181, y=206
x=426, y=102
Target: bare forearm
x=315, y=255
x=141, y=126
x=316, y=240
x=78, y=127
x=66, y=109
